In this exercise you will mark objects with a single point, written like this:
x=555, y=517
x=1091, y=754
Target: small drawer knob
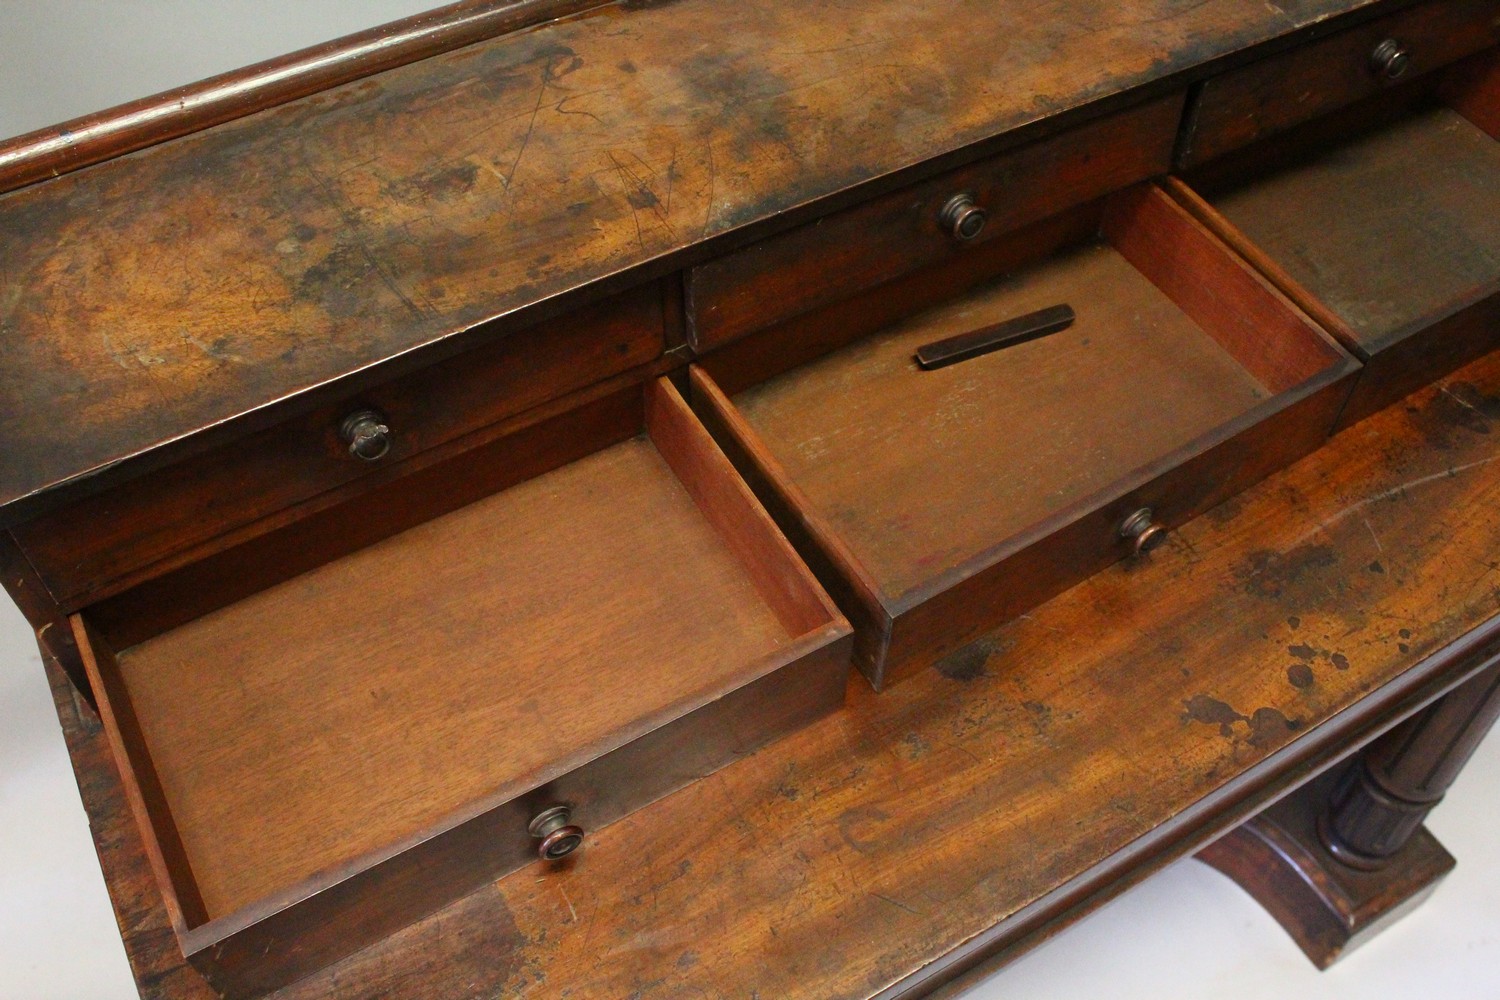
x=366, y=434
x=962, y=218
x=1142, y=532
x=557, y=837
x=1390, y=60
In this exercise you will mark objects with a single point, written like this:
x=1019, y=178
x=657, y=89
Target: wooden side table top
x=976, y=808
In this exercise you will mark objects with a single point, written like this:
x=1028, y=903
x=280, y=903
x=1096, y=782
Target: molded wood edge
x=104, y=135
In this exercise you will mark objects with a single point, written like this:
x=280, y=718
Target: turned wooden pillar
x=1346, y=855
x=1384, y=798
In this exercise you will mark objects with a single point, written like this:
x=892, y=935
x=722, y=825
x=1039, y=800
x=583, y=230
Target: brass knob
x=1390, y=60
x=558, y=838
x=366, y=434
x=962, y=218
x=1141, y=532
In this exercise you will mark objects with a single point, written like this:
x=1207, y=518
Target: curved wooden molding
x=58, y=149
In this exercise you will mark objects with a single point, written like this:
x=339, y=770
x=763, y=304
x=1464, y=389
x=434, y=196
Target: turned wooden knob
x=962, y=218
x=1390, y=60
x=556, y=837
x=1142, y=532
x=366, y=434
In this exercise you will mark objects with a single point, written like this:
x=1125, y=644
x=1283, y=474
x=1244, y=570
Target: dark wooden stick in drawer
x=951, y=350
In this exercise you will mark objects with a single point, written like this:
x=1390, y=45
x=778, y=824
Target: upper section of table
x=197, y=289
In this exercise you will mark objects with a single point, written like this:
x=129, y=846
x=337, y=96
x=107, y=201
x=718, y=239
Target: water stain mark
x=1270, y=573
x=968, y=663
x=1212, y=712
x=1267, y=726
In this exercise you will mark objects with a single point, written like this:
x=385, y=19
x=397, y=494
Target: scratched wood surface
x=1078, y=740
x=167, y=291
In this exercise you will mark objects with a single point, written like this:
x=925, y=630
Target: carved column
x=1340, y=859
x=1384, y=798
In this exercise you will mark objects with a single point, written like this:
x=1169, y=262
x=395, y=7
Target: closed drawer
x=1275, y=93
x=106, y=542
x=936, y=504
x=319, y=763
x=850, y=251
x=1390, y=237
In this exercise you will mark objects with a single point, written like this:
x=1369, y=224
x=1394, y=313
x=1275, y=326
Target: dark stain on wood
x=1270, y=728
x=1271, y=573
x=969, y=662
x=1212, y=712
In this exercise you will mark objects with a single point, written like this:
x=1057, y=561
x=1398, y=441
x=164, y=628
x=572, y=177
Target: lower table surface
x=968, y=812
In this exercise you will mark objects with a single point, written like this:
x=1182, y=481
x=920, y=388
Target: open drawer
x=1389, y=235
x=320, y=763
x=936, y=504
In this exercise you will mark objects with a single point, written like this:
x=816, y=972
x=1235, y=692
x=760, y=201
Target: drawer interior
x=917, y=479
x=1392, y=230
x=924, y=469
x=317, y=726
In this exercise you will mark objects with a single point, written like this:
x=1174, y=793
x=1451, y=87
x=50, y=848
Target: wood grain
x=1063, y=757
x=157, y=304
x=725, y=502
x=1384, y=230
x=402, y=682
x=539, y=646
x=1197, y=206
x=294, y=541
x=787, y=345
x=1260, y=328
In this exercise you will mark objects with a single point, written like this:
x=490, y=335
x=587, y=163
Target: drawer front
x=1418, y=360
x=94, y=546
x=450, y=865
x=850, y=251
x=1278, y=92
